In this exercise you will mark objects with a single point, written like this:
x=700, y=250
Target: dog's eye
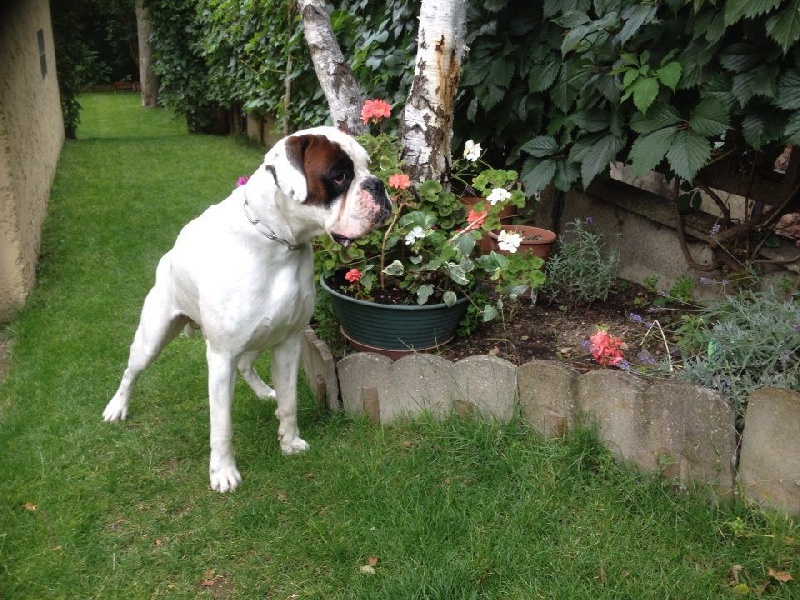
x=340, y=179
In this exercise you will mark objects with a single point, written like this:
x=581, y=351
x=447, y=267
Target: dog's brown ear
x=313, y=156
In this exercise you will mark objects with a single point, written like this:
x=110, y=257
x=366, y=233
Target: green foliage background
x=555, y=89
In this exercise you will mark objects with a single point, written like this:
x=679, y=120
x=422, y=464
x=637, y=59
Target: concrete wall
x=31, y=136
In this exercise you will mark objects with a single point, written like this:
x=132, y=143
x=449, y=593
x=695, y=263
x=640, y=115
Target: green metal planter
x=395, y=330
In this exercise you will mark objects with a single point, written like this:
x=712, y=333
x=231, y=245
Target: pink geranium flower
x=400, y=181
x=606, y=349
x=375, y=110
x=353, y=275
x=242, y=180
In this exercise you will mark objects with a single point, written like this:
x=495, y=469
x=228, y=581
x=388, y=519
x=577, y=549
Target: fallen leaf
x=373, y=561
x=29, y=506
x=733, y=574
x=780, y=576
x=367, y=570
x=209, y=578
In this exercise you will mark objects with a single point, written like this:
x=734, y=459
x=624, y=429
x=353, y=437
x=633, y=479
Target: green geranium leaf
x=489, y=313
x=688, y=153
x=649, y=150
x=710, y=117
x=457, y=273
x=395, y=268
x=423, y=293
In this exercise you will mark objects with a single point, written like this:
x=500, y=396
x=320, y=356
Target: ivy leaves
x=686, y=143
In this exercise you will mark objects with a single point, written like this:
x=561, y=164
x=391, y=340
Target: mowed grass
x=459, y=509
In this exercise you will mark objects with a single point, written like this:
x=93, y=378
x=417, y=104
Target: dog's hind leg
x=285, y=366
x=248, y=372
x=157, y=327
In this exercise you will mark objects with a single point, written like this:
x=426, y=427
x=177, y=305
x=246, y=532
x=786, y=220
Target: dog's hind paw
x=296, y=446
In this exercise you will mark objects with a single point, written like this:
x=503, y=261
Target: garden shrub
x=581, y=271
x=747, y=341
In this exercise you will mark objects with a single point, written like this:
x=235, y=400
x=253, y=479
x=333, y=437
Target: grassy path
x=453, y=510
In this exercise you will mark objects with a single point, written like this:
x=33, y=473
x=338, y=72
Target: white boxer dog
x=243, y=273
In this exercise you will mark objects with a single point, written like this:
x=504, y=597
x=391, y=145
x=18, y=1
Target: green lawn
x=454, y=510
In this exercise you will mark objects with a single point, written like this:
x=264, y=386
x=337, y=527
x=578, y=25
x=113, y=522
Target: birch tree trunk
x=147, y=77
x=427, y=122
x=333, y=72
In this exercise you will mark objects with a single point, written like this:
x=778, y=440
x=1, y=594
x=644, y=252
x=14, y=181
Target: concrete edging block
x=769, y=470
x=547, y=391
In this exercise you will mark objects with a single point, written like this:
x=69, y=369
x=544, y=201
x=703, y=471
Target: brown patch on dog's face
x=329, y=170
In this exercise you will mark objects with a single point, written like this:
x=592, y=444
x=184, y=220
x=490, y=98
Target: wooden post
x=371, y=405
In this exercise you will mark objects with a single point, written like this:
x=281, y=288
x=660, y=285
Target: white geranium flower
x=472, y=151
x=508, y=241
x=414, y=235
x=498, y=195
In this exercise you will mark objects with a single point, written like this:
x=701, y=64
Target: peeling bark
x=147, y=78
x=427, y=122
x=333, y=72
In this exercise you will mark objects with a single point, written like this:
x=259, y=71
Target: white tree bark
x=427, y=122
x=148, y=81
x=333, y=72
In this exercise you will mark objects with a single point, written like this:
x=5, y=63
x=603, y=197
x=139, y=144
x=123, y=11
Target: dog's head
x=326, y=170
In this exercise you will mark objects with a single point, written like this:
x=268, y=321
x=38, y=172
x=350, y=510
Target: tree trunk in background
x=334, y=73
x=147, y=77
x=427, y=123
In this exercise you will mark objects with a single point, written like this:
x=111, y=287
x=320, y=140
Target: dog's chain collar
x=269, y=234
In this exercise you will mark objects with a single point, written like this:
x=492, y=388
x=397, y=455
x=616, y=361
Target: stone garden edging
x=680, y=429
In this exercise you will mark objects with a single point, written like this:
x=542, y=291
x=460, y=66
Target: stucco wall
x=31, y=136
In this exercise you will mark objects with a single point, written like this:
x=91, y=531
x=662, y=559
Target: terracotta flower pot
x=535, y=240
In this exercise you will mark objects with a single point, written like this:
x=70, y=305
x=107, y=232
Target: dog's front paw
x=225, y=479
x=295, y=446
x=116, y=410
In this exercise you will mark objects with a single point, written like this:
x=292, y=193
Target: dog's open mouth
x=341, y=239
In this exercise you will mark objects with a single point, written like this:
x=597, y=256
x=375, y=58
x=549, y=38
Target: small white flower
x=508, y=241
x=498, y=195
x=472, y=151
x=414, y=235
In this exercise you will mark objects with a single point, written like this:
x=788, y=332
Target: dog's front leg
x=222, y=466
x=285, y=365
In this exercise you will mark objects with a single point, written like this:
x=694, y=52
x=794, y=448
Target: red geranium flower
x=353, y=275
x=375, y=110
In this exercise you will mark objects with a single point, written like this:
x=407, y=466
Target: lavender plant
x=582, y=270
x=746, y=341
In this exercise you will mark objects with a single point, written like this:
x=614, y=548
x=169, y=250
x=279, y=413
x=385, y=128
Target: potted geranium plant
x=426, y=260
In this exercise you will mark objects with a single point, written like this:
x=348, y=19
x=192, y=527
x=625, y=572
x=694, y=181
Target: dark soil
x=548, y=331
